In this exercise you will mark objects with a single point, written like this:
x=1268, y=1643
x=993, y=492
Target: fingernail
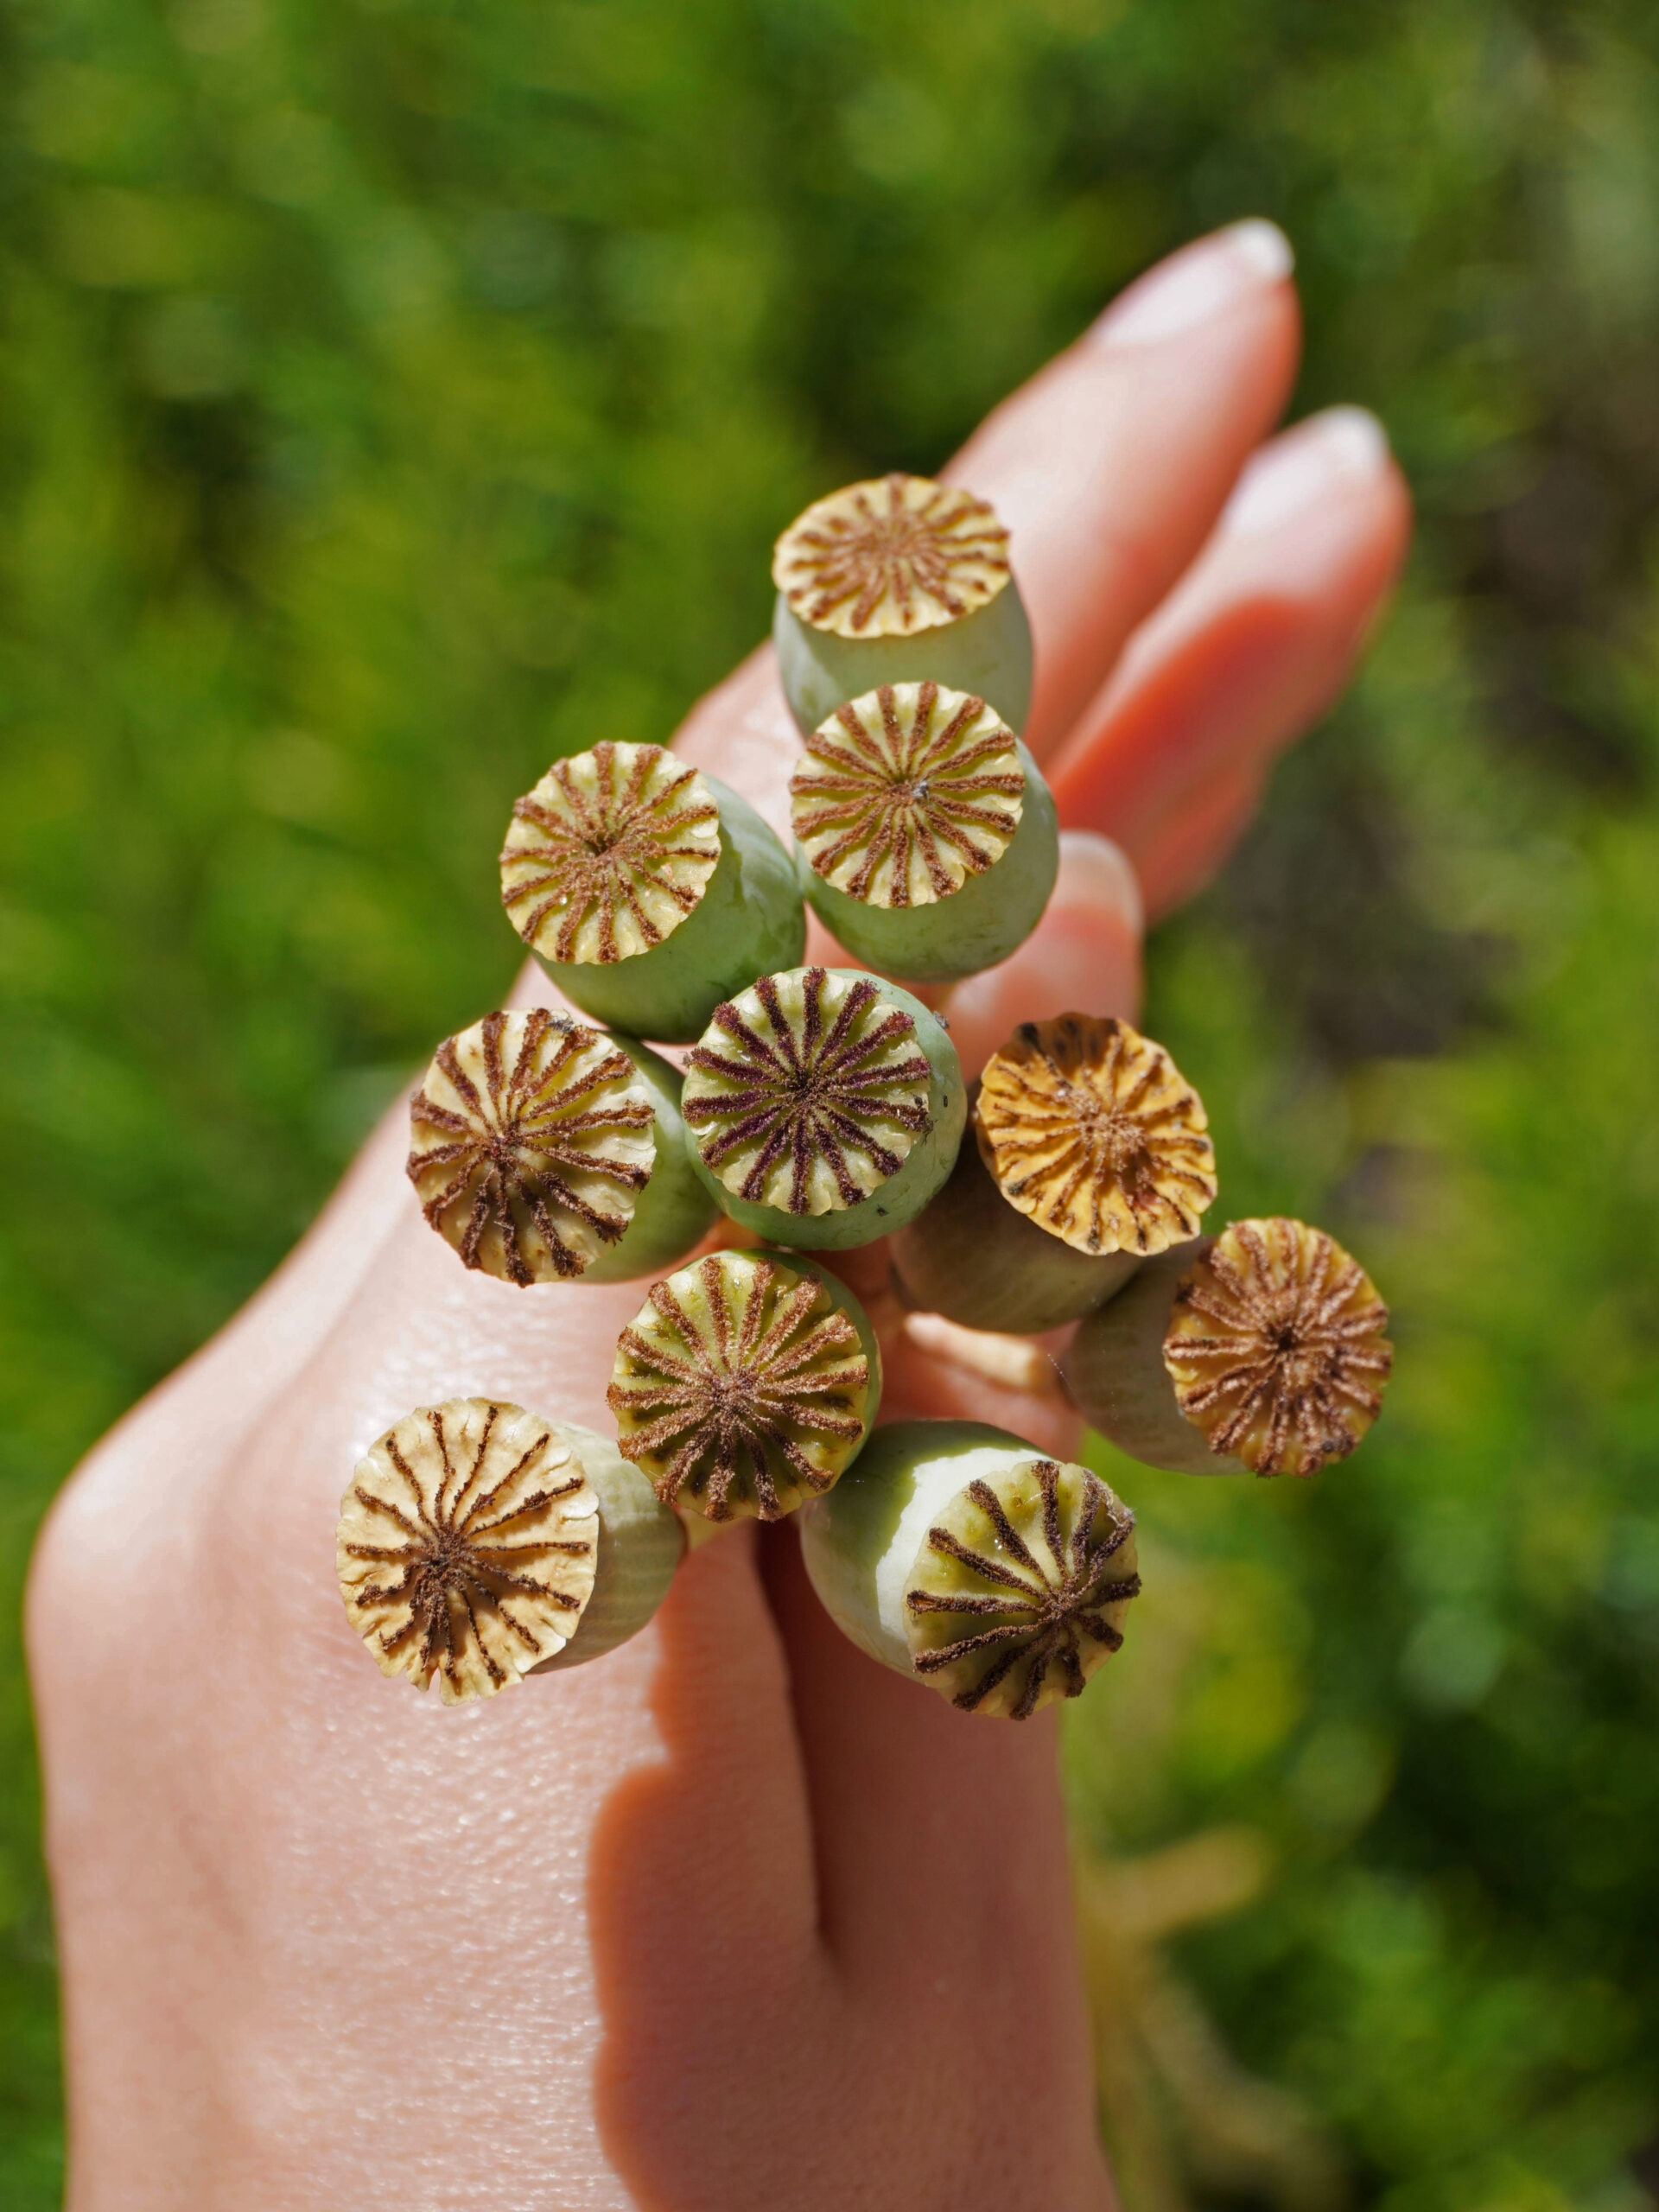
x=1199, y=281
x=1299, y=469
x=1096, y=872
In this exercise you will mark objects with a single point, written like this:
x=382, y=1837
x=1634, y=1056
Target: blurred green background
x=393, y=393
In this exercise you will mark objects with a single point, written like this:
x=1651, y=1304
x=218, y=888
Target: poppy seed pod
x=928, y=839
x=823, y=1107
x=962, y=1556
x=893, y=581
x=647, y=890
x=479, y=1543
x=746, y=1383
x=545, y=1151
x=1089, y=1153
x=1263, y=1350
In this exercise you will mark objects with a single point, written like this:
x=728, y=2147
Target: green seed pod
x=1090, y=1154
x=959, y=1554
x=892, y=581
x=545, y=1151
x=825, y=1106
x=1261, y=1350
x=479, y=1543
x=927, y=836
x=647, y=890
x=641, y=1544
x=745, y=1385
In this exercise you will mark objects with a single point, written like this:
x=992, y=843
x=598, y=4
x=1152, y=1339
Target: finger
x=1193, y=845
x=1252, y=644
x=1082, y=957
x=932, y=1374
x=940, y=1836
x=1110, y=467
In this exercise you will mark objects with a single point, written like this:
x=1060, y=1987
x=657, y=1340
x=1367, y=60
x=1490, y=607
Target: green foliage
x=392, y=395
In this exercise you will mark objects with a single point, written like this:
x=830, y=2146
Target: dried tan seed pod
x=745, y=1384
x=906, y=793
x=467, y=1545
x=1277, y=1347
x=1089, y=1130
x=825, y=1106
x=972, y=1258
x=958, y=1555
x=609, y=854
x=533, y=1139
x=892, y=556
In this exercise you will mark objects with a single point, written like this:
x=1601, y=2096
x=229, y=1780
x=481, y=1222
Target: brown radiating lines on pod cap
x=740, y=1388
x=609, y=854
x=531, y=1138
x=807, y=1090
x=891, y=557
x=1020, y=1590
x=1277, y=1347
x=467, y=1548
x=906, y=793
x=1090, y=1129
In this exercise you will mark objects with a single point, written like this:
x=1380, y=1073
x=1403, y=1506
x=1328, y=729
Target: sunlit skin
x=732, y=1917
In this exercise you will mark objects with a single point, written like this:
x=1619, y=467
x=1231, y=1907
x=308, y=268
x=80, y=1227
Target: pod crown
x=1277, y=1347
x=906, y=792
x=609, y=854
x=1018, y=1592
x=740, y=1387
x=531, y=1136
x=807, y=1090
x=891, y=557
x=1091, y=1130
x=467, y=1545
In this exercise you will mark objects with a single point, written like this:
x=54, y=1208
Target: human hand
x=731, y=1916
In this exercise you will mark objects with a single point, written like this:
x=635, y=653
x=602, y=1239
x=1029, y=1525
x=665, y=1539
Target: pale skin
x=732, y=1917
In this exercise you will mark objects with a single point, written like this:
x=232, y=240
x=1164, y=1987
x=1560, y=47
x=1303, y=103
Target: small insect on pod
x=892, y=581
x=1264, y=1350
x=647, y=890
x=958, y=1554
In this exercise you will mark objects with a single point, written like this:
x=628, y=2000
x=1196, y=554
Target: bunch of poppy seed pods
x=820, y=1110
